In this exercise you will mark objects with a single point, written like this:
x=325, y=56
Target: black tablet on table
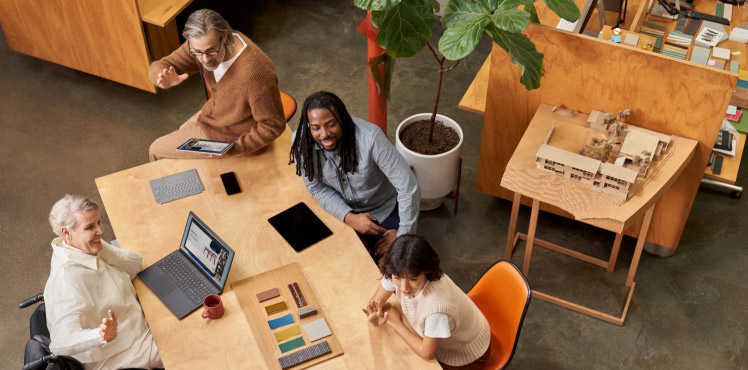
x=300, y=226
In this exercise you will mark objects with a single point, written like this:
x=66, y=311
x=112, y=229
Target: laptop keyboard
x=187, y=279
x=176, y=186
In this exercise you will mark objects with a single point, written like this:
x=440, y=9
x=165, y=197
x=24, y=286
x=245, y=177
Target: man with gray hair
x=244, y=105
x=93, y=314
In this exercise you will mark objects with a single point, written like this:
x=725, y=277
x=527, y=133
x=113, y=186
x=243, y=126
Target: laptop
x=199, y=267
x=176, y=186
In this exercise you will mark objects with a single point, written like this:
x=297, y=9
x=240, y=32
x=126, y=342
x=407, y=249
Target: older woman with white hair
x=93, y=313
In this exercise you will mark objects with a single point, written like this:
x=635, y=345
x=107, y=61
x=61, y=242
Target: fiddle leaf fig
x=512, y=20
x=565, y=9
x=530, y=8
x=405, y=28
x=511, y=4
x=457, y=11
x=523, y=54
x=459, y=40
x=489, y=5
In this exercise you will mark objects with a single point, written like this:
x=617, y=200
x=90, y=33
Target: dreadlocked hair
x=302, y=150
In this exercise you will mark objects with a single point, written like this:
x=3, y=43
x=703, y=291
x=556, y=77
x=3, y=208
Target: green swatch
x=291, y=344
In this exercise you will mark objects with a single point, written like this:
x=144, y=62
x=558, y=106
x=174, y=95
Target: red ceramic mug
x=213, y=307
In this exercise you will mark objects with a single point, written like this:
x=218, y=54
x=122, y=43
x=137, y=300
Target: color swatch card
x=278, y=307
x=291, y=344
x=287, y=333
x=281, y=321
x=317, y=329
x=708, y=37
x=268, y=294
x=720, y=53
x=699, y=55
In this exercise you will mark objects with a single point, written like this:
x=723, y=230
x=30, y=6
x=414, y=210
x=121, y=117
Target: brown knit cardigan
x=244, y=107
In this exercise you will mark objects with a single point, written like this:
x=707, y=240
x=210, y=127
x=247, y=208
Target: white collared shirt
x=81, y=289
x=223, y=67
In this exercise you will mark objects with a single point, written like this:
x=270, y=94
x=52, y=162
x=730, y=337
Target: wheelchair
x=37, y=355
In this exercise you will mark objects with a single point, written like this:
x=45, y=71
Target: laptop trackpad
x=163, y=286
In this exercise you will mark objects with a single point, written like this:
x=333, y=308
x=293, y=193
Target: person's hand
x=363, y=223
x=385, y=242
x=108, y=327
x=169, y=78
x=376, y=313
x=393, y=315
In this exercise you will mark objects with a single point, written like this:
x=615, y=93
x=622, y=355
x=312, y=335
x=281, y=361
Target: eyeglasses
x=210, y=53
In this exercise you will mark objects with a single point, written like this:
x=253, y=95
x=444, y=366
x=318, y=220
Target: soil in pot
x=416, y=138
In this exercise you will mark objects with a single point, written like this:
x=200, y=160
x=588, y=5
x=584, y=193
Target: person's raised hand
x=376, y=313
x=169, y=78
x=363, y=223
x=108, y=327
x=385, y=242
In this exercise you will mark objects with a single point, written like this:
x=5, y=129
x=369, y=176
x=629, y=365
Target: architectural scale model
x=614, y=156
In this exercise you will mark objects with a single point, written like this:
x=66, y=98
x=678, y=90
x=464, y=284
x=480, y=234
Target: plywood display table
x=338, y=269
x=586, y=205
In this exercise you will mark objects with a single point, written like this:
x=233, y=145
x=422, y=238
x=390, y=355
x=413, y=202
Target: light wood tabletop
x=161, y=12
x=339, y=270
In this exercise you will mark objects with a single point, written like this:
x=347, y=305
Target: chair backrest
x=503, y=295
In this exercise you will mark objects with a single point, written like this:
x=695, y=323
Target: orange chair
x=503, y=295
x=288, y=102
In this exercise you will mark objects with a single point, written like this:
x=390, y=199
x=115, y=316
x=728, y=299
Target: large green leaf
x=375, y=4
x=489, y=5
x=512, y=20
x=523, y=54
x=458, y=11
x=460, y=39
x=511, y=4
x=405, y=28
x=565, y=9
x=530, y=8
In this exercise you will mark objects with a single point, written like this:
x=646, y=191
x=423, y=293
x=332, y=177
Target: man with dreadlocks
x=354, y=172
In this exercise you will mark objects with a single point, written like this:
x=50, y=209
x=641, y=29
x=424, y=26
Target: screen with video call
x=208, y=253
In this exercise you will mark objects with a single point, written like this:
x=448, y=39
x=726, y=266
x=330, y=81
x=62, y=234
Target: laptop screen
x=207, y=250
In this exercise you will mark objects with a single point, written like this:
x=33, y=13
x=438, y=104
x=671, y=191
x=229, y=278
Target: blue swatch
x=281, y=321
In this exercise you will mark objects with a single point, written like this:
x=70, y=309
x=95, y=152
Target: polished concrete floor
x=62, y=128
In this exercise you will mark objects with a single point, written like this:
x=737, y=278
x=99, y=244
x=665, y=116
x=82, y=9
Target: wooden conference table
x=339, y=270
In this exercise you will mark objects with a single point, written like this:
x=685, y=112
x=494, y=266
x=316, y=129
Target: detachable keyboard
x=186, y=278
x=176, y=186
x=306, y=354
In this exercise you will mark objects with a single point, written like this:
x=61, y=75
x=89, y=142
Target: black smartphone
x=230, y=183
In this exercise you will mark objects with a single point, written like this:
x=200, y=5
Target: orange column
x=377, y=98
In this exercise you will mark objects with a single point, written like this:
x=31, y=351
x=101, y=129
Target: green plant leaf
x=512, y=20
x=435, y=5
x=460, y=39
x=523, y=54
x=375, y=4
x=530, y=8
x=457, y=11
x=489, y=5
x=405, y=28
x=511, y=4
x=565, y=9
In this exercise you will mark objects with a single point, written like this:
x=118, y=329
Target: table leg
x=639, y=246
x=531, y=236
x=614, y=252
x=512, y=226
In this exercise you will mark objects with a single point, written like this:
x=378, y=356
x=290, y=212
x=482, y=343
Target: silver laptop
x=176, y=186
x=199, y=267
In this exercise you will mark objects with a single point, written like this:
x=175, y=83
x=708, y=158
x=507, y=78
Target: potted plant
x=405, y=28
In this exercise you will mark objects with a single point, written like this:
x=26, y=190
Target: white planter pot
x=436, y=174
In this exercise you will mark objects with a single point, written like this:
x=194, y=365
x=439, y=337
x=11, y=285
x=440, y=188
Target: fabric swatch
x=287, y=333
x=281, y=321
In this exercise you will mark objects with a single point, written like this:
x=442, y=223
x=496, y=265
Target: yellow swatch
x=287, y=333
x=743, y=74
x=273, y=308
